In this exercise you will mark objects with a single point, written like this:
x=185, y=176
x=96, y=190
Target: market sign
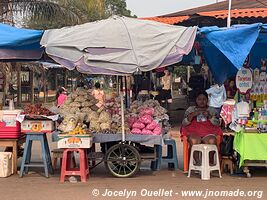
x=244, y=80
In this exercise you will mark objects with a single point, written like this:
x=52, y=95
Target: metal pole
x=122, y=115
x=229, y=14
x=188, y=73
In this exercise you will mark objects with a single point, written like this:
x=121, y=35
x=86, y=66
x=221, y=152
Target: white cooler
x=5, y=164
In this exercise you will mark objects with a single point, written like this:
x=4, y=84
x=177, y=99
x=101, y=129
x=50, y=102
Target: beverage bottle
x=256, y=114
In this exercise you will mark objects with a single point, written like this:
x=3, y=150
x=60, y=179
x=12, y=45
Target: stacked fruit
x=36, y=109
x=79, y=130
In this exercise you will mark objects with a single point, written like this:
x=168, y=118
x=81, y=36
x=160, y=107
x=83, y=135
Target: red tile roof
x=168, y=20
x=222, y=5
x=220, y=14
x=253, y=12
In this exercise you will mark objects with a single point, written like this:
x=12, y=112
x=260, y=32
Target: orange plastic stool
x=66, y=169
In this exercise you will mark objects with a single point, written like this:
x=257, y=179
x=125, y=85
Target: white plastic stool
x=205, y=167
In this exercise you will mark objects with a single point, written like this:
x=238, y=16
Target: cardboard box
x=74, y=141
x=37, y=126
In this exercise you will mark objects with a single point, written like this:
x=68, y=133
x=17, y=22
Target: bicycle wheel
x=122, y=160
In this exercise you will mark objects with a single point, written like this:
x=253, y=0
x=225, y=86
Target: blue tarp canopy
x=225, y=50
x=17, y=43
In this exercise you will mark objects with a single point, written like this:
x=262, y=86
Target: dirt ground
x=163, y=184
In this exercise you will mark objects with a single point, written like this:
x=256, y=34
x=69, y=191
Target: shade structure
x=19, y=44
x=118, y=45
x=226, y=49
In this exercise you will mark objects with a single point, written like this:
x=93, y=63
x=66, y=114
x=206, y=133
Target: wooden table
x=14, y=144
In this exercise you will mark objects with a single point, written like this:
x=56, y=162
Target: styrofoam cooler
x=5, y=164
x=45, y=126
x=9, y=127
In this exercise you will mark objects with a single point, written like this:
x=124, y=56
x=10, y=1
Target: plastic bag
x=79, y=99
x=146, y=119
x=104, y=117
x=147, y=132
x=94, y=125
x=152, y=125
x=105, y=126
x=136, y=131
x=227, y=145
x=157, y=130
x=93, y=116
x=75, y=104
x=131, y=121
x=147, y=111
x=139, y=125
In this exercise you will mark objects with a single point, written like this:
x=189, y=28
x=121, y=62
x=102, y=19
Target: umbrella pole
x=122, y=119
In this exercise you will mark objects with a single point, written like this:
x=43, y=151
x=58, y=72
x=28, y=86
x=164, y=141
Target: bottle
x=255, y=114
x=259, y=118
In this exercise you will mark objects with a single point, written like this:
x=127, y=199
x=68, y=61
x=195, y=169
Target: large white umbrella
x=118, y=45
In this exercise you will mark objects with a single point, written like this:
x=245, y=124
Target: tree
x=117, y=7
x=43, y=14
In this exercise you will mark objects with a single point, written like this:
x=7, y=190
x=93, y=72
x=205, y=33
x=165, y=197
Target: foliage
x=117, y=7
x=43, y=14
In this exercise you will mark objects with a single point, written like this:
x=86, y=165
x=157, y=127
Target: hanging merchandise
x=217, y=95
x=256, y=75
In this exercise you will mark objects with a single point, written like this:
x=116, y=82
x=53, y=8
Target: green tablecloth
x=251, y=146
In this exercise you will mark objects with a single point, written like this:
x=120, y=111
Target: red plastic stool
x=66, y=170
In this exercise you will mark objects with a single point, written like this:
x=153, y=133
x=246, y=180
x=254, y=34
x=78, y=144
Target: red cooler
x=9, y=127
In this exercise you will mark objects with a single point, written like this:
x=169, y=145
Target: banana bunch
x=78, y=131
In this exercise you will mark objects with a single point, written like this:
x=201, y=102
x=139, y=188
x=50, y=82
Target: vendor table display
x=252, y=149
x=36, y=122
x=133, y=157
x=145, y=122
x=249, y=117
x=36, y=118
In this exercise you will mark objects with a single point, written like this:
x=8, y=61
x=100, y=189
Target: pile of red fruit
x=36, y=109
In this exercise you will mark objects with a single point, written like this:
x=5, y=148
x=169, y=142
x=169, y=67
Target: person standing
x=99, y=95
x=61, y=96
x=166, y=96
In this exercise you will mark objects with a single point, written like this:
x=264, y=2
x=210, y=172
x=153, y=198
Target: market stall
x=145, y=123
x=118, y=45
x=239, y=52
x=249, y=119
x=15, y=44
x=248, y=115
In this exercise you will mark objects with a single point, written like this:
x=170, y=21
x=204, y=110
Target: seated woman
x=200, y=123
